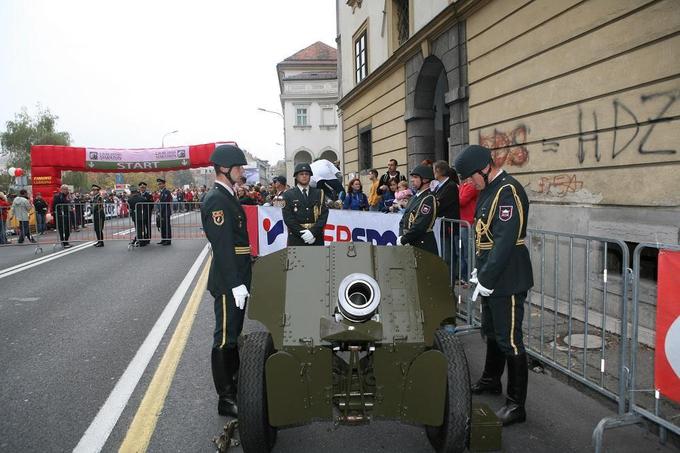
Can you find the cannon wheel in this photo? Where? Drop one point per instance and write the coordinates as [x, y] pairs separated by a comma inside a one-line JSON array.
[[454, 433], [256, 434]]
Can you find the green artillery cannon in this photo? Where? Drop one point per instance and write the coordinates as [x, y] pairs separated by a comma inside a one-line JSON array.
[[352, 334]]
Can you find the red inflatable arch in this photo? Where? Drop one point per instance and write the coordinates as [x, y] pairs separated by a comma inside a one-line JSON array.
[[48, 161]]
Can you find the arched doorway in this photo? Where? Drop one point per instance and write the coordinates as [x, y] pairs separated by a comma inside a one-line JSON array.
[[428, 126], [329, 155], [302, 157]]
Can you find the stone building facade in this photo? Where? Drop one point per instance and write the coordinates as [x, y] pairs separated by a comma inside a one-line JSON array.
[[309, 92]]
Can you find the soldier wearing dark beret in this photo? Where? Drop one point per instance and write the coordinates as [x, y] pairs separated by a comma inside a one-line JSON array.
[[503, 276]]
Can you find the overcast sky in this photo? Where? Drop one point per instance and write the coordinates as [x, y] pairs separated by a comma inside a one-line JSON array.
[[123, 73]]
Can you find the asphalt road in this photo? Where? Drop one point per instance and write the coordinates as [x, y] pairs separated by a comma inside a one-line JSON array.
[[69, 328]]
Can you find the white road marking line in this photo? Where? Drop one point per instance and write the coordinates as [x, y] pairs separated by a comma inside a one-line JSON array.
[[121, 233], [100, 429], [28, 264]]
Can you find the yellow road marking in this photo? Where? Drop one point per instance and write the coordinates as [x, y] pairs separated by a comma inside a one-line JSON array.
[[144, 424]]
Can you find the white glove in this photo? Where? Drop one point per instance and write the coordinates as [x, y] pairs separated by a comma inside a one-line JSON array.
[[307, 236], [473, 276], [399, 241], [240, 296], [479, 289]]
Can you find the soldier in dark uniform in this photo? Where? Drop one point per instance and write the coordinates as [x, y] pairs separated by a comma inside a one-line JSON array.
[[305, 212], [504, 276], [224, 223], [144, 211], [61, 207], [280, 187], [165, 211], [98, 214], [415, 227], [135, 213]]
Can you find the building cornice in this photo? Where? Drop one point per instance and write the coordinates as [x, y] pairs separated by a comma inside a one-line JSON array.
[[455, 12]]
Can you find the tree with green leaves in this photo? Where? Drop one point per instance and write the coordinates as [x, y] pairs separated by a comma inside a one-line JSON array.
[[26, 130]]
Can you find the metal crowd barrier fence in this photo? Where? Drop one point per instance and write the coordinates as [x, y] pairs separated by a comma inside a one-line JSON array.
[[645, 402], [456, 243], [80, 223]]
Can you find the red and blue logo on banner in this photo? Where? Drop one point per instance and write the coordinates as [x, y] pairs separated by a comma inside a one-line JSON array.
[[667, 356]]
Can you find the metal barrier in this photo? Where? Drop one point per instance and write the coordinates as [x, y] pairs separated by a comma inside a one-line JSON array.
[[456, 243], [137, 224], [645, 402]]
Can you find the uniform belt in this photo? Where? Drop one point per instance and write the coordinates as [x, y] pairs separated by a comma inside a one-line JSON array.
[[307, 225], [245, 250], [489, 245]]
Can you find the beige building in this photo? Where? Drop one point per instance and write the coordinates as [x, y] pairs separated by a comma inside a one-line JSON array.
[[580, 100]]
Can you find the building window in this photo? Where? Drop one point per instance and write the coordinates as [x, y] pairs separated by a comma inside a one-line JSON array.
[[365, 150], [401, 20], [301, 116], [360, 57], [327, 116]]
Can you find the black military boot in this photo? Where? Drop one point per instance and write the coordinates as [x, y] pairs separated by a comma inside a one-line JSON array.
[[518, 376], [224, 384], [490, 382]]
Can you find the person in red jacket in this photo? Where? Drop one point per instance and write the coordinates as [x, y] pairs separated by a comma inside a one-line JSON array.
[[467, 194]]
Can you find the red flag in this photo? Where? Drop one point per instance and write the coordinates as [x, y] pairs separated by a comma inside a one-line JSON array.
[[667, 355], [251, 225]]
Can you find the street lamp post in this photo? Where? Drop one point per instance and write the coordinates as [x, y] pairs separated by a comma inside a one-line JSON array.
[[284, 128], [165, 135]]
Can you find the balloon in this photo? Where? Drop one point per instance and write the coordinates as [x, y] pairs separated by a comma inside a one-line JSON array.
[[11, 171], [18, 172]]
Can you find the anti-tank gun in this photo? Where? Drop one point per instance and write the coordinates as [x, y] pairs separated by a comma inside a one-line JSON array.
[[352, 334]]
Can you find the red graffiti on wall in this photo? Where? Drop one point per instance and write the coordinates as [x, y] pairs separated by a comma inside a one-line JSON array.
[[507, 147], [559, 185]]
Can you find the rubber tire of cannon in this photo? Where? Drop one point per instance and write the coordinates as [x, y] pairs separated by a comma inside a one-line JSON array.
[[453, 435], [256, 434]]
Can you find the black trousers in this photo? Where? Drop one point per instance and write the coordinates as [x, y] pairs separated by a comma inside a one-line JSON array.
[[63, 226], [99, 226], [228, 317], [502, 320], [166, 228], [146, 227]]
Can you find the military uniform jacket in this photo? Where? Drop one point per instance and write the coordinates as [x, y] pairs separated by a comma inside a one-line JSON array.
[[415, 226], [300, 213], [145, 208], [503, 262], [165, 197], [224, 223], [97, 204]]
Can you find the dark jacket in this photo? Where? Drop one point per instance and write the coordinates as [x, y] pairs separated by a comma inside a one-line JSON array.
[[448, 203], [40, 205], [304, 214], [356, 201], [225, 226], [61, 205], [503, 262]]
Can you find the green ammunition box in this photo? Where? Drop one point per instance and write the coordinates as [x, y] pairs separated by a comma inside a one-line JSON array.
[[486, 432]]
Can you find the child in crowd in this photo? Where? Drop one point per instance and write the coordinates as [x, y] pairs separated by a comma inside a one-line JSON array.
[[403, 195]]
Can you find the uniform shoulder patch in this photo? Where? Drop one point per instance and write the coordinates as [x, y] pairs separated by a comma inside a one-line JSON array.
[[505, 213], [218, 217], [425, 209]]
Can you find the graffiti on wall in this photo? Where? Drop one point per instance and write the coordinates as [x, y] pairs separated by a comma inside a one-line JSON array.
[[559, 185], [507, 148], [632, 137]]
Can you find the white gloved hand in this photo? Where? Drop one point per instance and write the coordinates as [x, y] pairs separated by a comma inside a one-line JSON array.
[[479, 289], [307, 236], [399, 241], [240, 296], [473, 276]]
